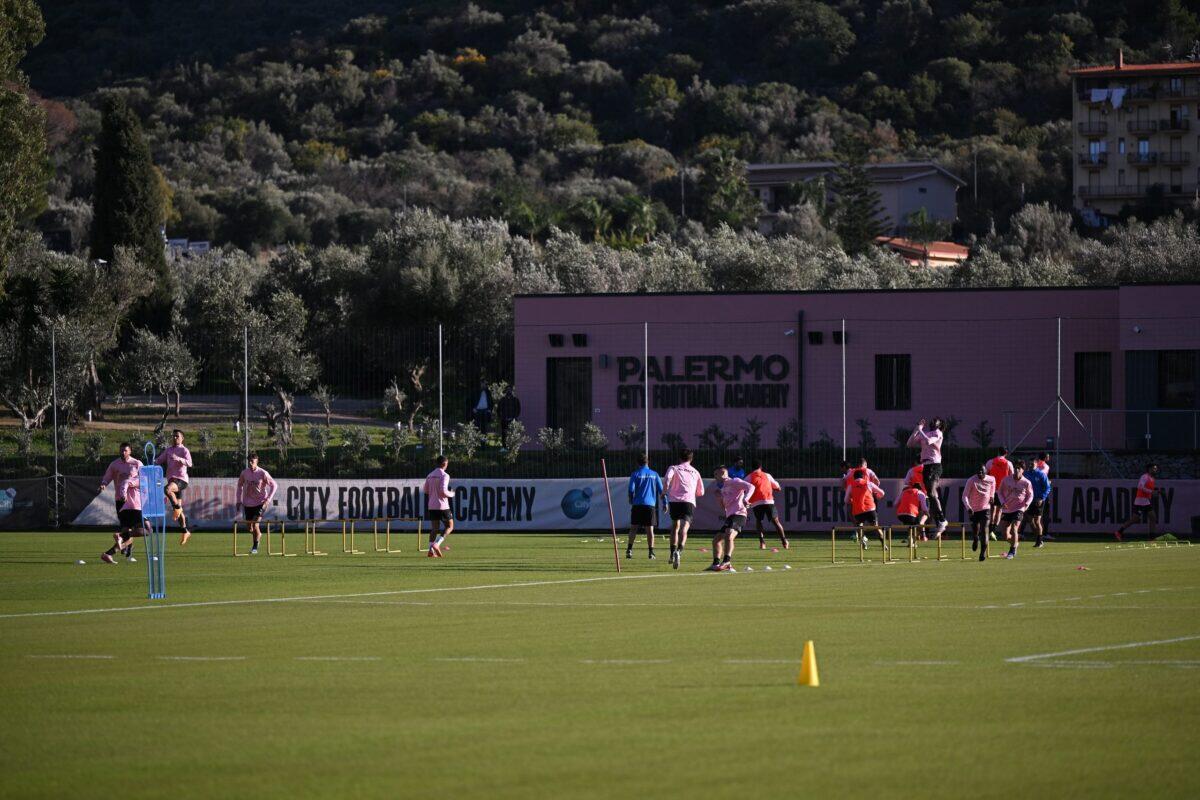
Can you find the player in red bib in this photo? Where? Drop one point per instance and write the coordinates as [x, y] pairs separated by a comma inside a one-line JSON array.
[[999, 468], [1143, 503]]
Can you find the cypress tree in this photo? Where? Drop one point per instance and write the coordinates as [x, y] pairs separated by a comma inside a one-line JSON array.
[[858, 207], [128, 203]]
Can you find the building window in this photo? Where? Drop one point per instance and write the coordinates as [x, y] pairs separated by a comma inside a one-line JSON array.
[[1177, 378], [1093, 380], [1121, 146], [1143, 147], [893, 382]]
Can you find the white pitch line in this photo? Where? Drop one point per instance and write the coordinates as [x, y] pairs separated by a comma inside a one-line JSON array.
[[482, 660], [212, 603], [338, 658], [76, 657], [761, 661], [917, 663], [201, 658], [624, 661], [1105, 648]]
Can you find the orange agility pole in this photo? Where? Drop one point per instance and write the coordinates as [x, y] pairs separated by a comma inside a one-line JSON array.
[[612, 521]]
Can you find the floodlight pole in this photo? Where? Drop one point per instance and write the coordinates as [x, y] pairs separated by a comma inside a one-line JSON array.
[[246, 390], [1058, 404], [441, 426], [646, 386], [54, 413], [843, 389]]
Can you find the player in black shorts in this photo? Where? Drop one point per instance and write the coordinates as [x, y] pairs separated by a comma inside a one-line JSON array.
[[645, 493]]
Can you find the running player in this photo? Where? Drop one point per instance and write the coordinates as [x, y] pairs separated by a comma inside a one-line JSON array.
[[255, 490], [999, 467], [683, 485], [912, 507], [930, 442], [733, 494], [1143, 503], [915, 474], [1039, 479], [763, 503], [177, 459], [645, 493], [848, 479], [978, 497], [1016, 493], [124, 474], [437, 506], [861, 496]]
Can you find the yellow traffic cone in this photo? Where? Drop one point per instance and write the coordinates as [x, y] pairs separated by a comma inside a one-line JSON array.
[[808, 667]]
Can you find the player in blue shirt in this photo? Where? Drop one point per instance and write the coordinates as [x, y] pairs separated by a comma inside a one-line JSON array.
[[738, 470], [645, 492], [1040, 482]]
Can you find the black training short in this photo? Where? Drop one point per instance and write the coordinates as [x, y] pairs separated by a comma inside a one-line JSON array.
[[734, 522], [980, 517], [1142, 513], [437, 514], [1012, 516], [130, 517], [180, 486], [867, 518], [682, 511], [765, 512], [1035, 509], [252, 513], [641, 516], [906, 519]]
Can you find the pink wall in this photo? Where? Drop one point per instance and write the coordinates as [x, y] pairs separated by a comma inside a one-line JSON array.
[[981, 354]]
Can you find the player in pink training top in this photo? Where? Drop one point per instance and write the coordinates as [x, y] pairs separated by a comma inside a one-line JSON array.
[[930, 442], [255, 490], [683, 486], [734, 495], [437, 506], [176, 460], [124, 474], [1015, 493], [977, 496]]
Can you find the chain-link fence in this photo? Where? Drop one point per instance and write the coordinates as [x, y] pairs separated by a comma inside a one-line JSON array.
[[802, 395]]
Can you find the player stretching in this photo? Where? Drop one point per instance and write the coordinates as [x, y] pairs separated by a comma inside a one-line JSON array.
[[255, 490], [1015, 493], [733, 494], [1039, 479], [124, 473], [978, 497], [1143, 503], [684, 485], [177, 459], [645, 493], [763, 503], [999, 467], [861, 496], [912, 507], [930, 442], [437, 506]]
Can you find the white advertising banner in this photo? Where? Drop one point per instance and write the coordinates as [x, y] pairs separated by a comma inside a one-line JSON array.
[[1077, 506]]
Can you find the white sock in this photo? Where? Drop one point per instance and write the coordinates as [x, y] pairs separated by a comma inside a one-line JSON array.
[[438, 541]]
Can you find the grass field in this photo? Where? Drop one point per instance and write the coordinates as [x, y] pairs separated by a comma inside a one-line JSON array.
[[521, 666]]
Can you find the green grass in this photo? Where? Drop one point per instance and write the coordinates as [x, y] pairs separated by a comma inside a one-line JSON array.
[[916, 695]]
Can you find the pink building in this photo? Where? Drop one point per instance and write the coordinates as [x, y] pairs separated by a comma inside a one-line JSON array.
[[1128, 364]]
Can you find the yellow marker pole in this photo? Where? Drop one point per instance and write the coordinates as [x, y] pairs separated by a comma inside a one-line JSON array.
[[235, 532], [833, 545], [963, 531]]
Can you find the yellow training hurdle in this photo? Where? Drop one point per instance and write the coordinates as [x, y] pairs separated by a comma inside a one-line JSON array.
[[885, 534], [913, 540], [381, 531]]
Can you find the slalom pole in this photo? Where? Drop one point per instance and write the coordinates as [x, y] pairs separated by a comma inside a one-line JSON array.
[[612, 521]]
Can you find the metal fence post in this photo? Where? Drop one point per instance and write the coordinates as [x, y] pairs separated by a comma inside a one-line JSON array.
[[843, 389], [245, 391], [441, 424], [54, 417], [646, 385]]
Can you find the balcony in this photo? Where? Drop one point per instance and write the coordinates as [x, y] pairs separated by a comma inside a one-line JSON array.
[[1141, 93], [1173, 124], [1146, 159], [1093, 128], [1110, 192], [1142, 125], [1174, 159], [1187, 90], [1093, 160], [1181, 190]]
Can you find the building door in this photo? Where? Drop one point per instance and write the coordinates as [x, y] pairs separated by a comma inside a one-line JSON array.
[[568, 394]]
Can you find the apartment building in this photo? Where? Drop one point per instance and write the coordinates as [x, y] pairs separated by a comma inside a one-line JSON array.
[[1133, 135]]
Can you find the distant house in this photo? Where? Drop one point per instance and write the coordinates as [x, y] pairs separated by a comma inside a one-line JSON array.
[[182, 248], [903, 186], [935, 254]]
